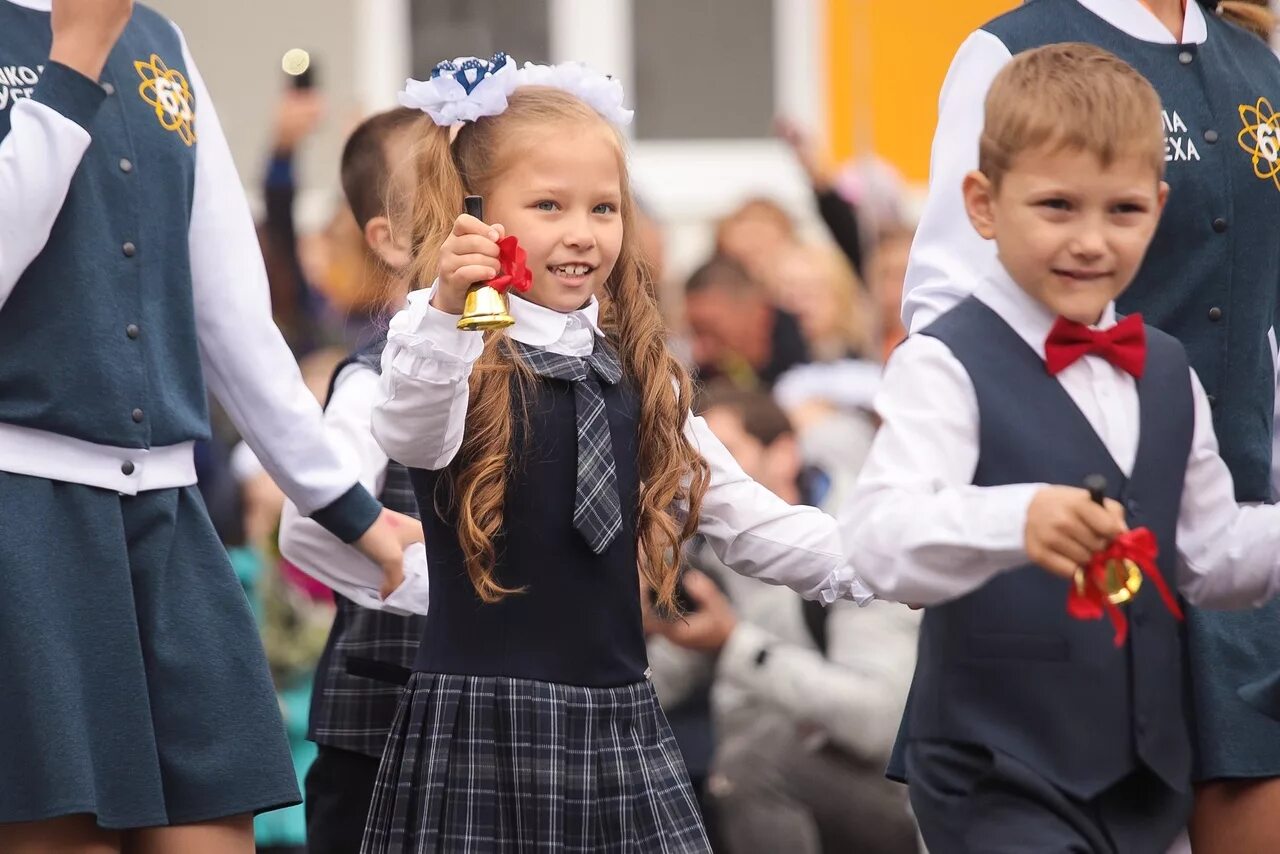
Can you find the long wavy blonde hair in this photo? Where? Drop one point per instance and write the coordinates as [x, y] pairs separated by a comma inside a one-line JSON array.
[[671, 471]]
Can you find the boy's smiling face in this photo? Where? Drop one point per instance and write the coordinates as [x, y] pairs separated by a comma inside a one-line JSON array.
[[1071, 232]]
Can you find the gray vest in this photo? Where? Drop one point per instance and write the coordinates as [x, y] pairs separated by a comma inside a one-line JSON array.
[[115, 359], [1005, 666], [1211, 275]]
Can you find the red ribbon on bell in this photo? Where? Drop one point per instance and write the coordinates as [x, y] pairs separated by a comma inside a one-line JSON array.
[[512, 259], [1096, 590]]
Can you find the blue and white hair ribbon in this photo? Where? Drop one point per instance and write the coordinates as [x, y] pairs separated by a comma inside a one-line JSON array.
[[467, 88]]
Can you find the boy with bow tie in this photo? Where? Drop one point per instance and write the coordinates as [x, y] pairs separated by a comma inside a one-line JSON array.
[[1027, 729]]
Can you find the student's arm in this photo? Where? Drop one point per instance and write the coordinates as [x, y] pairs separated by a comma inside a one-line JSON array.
[[48, 136], [1229, 555], [422, 410], [947, 256], [246, 363], [320, 554], [756, 533], [915, 527]]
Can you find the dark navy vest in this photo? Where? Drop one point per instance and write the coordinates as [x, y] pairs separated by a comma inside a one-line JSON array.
[[578, 620], [1211, 275], [1004, 666], [368, 655], [102, 322]]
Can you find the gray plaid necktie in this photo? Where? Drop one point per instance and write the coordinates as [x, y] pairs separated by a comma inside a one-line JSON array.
[[597, 512]]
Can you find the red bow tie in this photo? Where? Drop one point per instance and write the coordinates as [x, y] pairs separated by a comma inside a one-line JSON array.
[[1123, 345]]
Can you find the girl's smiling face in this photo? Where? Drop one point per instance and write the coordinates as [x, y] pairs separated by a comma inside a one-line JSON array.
[[561, 197]]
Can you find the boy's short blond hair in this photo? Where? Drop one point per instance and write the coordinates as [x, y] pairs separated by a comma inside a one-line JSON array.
[[1070, 96]]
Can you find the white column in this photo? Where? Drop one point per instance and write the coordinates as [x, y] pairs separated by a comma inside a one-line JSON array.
[[597, 32], [383, 51], [799, 64]]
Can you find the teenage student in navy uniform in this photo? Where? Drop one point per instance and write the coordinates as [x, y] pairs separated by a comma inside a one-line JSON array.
[[1029, 728], [1210, 279], [138, 712], [557, 469], [370, 649]]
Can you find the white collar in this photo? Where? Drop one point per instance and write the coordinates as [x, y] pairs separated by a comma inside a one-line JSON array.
[[1134, 18], [38, 5], [1026, 316], [539, 326]]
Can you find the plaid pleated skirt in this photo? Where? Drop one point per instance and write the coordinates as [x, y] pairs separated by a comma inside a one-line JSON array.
[[495, 764]]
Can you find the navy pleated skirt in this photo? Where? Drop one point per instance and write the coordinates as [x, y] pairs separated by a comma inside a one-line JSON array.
[[133, 684]]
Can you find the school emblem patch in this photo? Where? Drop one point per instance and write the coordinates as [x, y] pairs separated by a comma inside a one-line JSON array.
[[166, 90], [1260, 137]]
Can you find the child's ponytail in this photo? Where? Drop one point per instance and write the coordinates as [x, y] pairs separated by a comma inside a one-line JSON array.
[[437, 201]]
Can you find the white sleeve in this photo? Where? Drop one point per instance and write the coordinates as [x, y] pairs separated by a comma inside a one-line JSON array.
[[1229, 555], [246, 362], [947, 256], [318, 553], [38, 157], [914, 526], [422, 411], [756, 533]]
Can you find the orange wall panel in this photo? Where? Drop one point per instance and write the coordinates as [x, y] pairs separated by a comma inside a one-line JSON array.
[[886, 60]]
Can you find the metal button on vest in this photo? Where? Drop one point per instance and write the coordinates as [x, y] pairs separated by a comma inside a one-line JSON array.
[[1211, 136], [1219, 225], [1186, 57], [1215, 314], [1132, 506], [125, 165], [108, 88], [137, 416], [129, 249], [132, 330], [126, 468]]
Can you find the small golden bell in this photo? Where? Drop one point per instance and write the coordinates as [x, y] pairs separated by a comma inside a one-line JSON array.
[[484, 308], [1121, 580]]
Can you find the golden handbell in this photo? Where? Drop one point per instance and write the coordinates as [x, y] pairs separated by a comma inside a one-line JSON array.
[[1122, 578], [485, 307]]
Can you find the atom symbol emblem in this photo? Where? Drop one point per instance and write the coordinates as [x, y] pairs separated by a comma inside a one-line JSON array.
[[166, 89], [1261, 138]]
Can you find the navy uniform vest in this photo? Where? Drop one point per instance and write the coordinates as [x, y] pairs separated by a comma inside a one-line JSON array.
[[115, 359], [578, 620], [367, 657], [1005, 666], [1211, 275]]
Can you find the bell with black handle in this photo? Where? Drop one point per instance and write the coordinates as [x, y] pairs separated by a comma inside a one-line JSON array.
[[485, 307], [1122, 578]]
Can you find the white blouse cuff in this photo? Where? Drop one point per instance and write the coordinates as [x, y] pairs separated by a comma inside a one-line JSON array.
[[844, 583]]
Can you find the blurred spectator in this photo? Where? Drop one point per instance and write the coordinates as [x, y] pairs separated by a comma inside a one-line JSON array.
[[738, 332], [754, 233], [820, 289], [806, 699], [885, 276], [293, 305], [859, 203]]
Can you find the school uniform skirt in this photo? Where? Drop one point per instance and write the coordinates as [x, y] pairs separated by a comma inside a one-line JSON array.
[[133, 685], [494, 764]]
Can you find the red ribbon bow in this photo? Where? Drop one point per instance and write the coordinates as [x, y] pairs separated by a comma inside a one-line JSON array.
[[1138, 546], [515, 274], [1123, 345]]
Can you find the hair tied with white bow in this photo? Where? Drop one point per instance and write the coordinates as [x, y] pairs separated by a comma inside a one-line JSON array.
[[468, 88]]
